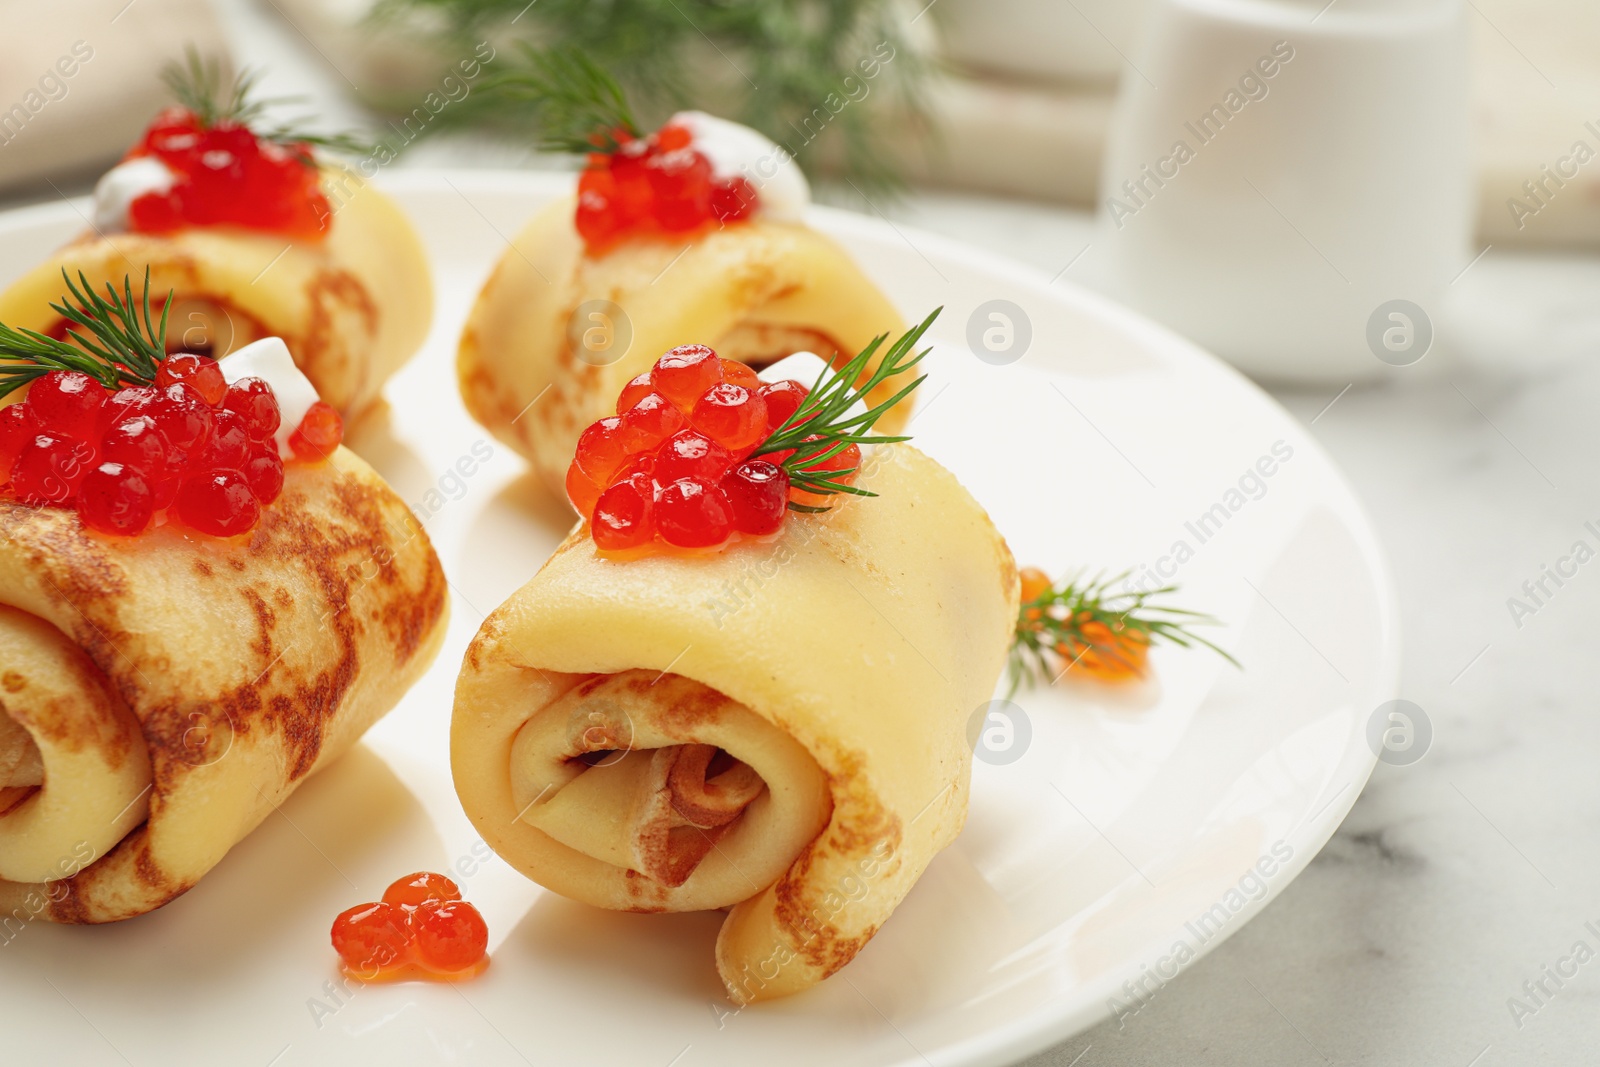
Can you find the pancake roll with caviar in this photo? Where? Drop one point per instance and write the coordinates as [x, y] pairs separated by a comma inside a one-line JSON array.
[[693, 233], [256, 233], [630, 734], [204, 599]]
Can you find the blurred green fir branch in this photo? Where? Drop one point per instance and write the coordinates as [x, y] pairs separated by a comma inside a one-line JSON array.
[[797, 70]]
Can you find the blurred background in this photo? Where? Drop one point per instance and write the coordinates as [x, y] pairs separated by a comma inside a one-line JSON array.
[[1385, 211]]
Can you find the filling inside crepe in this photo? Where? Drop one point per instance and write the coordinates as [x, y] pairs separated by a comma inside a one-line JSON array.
[[21, 766], [202, 325], [669, 779], [758, 345], [74, 771]]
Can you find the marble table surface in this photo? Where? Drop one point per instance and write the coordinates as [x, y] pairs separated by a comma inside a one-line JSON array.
[[1458, 884]]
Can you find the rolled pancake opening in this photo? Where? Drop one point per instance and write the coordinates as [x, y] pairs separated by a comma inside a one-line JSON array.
[[555, 324], [163, 694], [691, 800], [74, 773], [838, 663], [353, 307]]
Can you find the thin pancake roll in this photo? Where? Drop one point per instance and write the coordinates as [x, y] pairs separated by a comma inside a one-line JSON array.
[[353, 307], [557, 332], [160, 695], [779, 728]]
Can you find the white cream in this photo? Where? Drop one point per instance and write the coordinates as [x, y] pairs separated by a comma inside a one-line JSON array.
[[735, 150], [806, 368], [269, 360], [124, 183]]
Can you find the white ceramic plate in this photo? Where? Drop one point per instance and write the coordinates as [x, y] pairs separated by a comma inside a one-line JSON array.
[[1087, 861]]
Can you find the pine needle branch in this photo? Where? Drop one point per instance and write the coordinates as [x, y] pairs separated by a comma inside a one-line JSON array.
[[1080, 616], [825, 413], [112, 338]]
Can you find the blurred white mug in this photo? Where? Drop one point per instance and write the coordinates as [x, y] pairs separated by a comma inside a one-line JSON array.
[[1289, 182]]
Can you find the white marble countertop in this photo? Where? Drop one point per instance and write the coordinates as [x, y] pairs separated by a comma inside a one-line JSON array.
[[1456, 880]]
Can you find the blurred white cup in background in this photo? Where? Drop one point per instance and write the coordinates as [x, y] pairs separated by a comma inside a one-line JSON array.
[[1289, 182], [1050, 40]]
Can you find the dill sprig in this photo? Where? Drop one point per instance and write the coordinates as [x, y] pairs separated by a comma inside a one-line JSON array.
[[1078, 616], [113, 339], [780, 66], [199, 87], [580, 106], [825, 412]]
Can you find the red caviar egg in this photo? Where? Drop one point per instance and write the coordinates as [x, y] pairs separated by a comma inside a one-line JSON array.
[[116, 499], [49, 467], [254, 399], [636, 390], [691, 454], [219, 503], [183, 417], [229, 443], [200, 373], [450, 934], [602, 448], [693, 513], [370, 937], [319, 433], [783, 399], [734, 200], [758, 496], [419, 888], [67, 401], [649, 422], [582, 491], [622, 515], [732, 416], [17, 426], [739, 374], [264, 471], [847, 459], [135, 442], [128, 401], [685, 373]]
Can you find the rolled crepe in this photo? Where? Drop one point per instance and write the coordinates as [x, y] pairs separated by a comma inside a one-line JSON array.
[[779, 728], [160, 695], [353, 308], [546, 326]]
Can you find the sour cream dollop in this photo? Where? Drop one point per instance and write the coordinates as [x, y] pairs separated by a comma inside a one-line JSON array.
[[124, 183], [735, 150], [269, 360]]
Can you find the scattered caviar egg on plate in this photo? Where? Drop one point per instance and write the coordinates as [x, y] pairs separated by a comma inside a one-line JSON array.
[[421, 929]]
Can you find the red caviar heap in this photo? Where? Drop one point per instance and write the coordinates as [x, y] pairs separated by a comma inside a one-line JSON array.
[[225, 174], [656, 185], [228, 170], [421, 928], [635, 184], [118, 430], [701, 449]]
